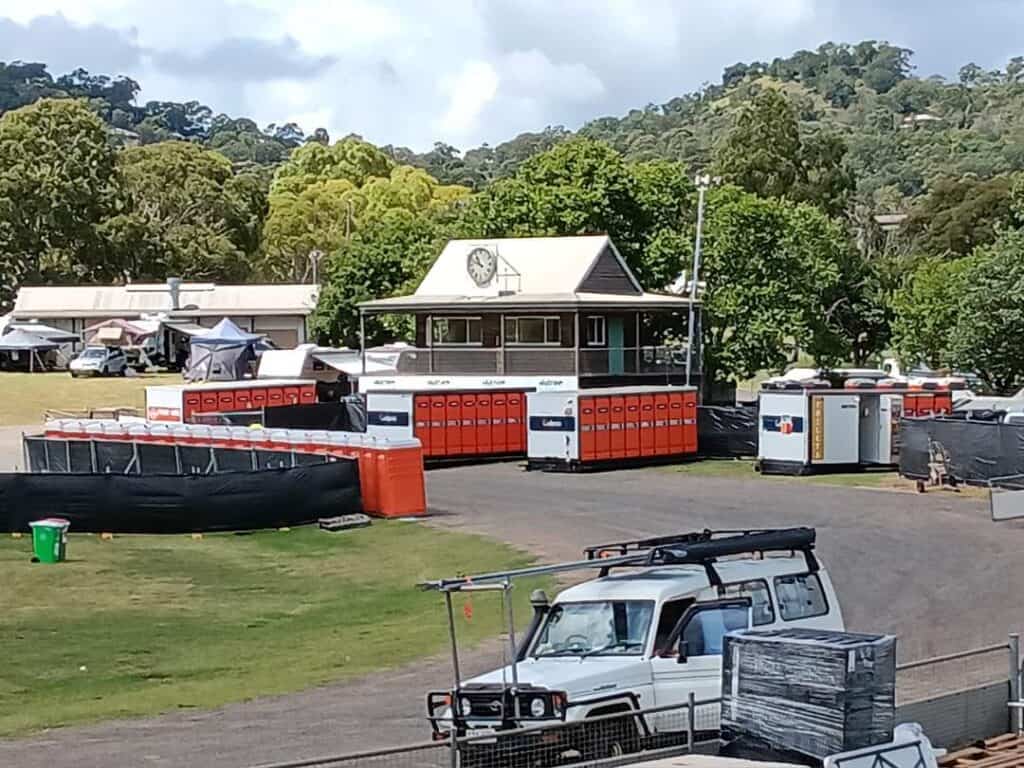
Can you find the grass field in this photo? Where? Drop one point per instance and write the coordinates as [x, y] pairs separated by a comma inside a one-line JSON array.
[[24, 397], [745, 468], [146, 624]]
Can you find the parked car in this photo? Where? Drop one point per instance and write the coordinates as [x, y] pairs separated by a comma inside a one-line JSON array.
[[99, 361], [635, 639]]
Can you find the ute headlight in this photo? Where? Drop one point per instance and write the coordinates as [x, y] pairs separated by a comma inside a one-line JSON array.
[[465, 707], [537, 708]]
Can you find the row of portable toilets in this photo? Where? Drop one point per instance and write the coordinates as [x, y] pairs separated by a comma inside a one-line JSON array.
[[390, 470]]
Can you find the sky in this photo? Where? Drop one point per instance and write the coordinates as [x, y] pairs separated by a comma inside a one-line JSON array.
[[412, 72]]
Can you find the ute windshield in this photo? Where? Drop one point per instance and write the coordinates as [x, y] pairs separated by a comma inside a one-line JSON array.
[[600, 628]]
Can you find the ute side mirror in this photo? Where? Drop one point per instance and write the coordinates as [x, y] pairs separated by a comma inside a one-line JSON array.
[[681, 657]]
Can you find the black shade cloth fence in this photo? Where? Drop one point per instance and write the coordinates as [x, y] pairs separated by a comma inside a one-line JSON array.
[[160, 503], [968, 451], [727, 431]]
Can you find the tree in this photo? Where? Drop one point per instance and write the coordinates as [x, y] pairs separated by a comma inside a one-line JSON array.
[[583, 186], [773, 269], [57, 185], [990, 314], [958, 215], [383, 259], [761, 151], [925, 312], [186, 213], [323, 195]]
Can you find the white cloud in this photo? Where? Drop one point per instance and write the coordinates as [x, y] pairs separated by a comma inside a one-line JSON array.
[[468, 92], [466, 71]]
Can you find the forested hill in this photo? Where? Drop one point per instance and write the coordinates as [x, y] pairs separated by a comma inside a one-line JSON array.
[[903, 131]]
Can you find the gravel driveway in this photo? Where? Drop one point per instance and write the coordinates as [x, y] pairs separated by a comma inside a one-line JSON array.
[[931, 568]]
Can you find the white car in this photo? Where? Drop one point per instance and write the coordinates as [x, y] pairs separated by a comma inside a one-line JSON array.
[[642, 638], [99, 361]]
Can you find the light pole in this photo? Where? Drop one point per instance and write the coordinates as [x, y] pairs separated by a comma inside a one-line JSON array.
[[702, 182]]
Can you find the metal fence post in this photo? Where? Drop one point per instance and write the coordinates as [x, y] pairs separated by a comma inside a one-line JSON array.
[[691, 719], [1014, 646], [454, 739]]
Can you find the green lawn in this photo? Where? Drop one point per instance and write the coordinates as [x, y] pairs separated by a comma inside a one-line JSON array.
[[146, 624], [745, 468], [24, 397]]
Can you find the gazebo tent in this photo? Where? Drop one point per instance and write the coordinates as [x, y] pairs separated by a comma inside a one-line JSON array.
[[221, 354], [47, 332], [22, 342]]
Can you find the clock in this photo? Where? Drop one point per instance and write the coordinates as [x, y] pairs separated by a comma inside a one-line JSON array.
[[481, 264]]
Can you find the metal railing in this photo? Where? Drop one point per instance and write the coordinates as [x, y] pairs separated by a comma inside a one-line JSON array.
[[981, 688], [513, 360]]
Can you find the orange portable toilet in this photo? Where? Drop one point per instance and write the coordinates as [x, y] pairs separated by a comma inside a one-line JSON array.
[[208, 401], [275, 397], [647, 446], [290, 395], [676, 431], [661, 416], [226, 400], [588, 425], [307, 394], [399, 469], [499, 433], [438, 430], [192, 403], [690, 428], [603, 443], [243, 400], [421, 421], [632, 426], [482, 429], [260, 398], [617, 427], [368, 479], [452, 425], [467, 415], [515, 422]]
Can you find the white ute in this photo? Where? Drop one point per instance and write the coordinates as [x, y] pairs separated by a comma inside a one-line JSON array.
[[646, 633]]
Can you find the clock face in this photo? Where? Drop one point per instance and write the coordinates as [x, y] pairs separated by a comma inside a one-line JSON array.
[[481, 264]]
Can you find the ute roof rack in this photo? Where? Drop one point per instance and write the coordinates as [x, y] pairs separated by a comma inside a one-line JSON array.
[[697, 548]]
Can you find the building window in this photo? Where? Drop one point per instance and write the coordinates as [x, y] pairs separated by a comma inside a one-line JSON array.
[[595, 331], [456, 330], [533, 330]]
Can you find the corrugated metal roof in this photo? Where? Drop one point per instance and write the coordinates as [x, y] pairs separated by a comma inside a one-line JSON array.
[[147, 298], [526, 265]]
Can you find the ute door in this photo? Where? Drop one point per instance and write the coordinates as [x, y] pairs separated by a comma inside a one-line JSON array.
[[692, 661]]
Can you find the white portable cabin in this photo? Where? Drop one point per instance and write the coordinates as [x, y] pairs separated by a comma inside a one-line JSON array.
[[808, 426]]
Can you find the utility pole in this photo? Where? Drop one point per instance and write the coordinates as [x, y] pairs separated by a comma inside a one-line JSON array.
[[702, 182]]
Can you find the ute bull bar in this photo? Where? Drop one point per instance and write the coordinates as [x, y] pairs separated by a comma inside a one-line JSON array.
[[487, 705]]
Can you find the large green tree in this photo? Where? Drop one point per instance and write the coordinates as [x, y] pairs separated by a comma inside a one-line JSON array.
[[584, 186], [773, 269], [386, 257], [324, 194], [926, 311], [990, 318], [57, 185], [185, 213]]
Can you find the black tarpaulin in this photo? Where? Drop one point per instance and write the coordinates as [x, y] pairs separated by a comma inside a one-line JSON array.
[[966, 450], [727, 431], [346, 415], [181, 504]]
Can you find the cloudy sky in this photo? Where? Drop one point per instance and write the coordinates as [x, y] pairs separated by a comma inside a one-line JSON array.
[[467, 71]]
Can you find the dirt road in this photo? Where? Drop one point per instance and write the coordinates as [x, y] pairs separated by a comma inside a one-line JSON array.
[[930, 568]]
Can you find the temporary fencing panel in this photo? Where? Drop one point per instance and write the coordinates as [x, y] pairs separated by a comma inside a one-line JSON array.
[[727, 431], [199, 450], [171, 504], [965, 450]]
